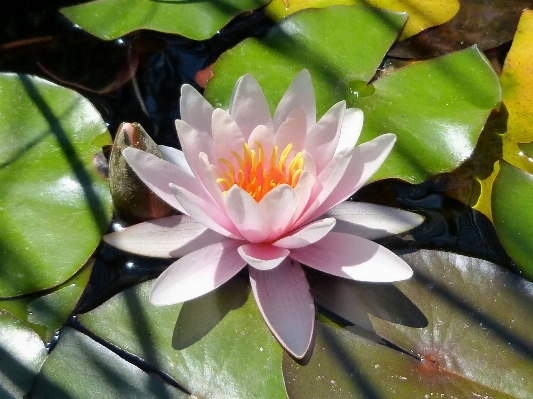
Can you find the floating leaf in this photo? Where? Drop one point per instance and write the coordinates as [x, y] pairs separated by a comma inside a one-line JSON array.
[[54, 207], [197, 20], [485, 23], [22, 354], [527, 149], [421, 14], [436, 108], [480, 322], [238, 358], [480, 318], [345, 366], [317, 40], [82, 368], [513, 215], [517, 86], [355, 300], [47, 312], [517, 82]]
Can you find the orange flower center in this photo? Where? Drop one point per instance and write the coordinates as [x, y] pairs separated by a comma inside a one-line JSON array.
[[252, 175]]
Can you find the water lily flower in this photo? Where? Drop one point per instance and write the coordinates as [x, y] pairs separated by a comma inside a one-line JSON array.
[[268, 192]]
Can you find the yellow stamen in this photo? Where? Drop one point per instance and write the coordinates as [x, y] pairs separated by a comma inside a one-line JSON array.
[[251, 174], [283, 157]]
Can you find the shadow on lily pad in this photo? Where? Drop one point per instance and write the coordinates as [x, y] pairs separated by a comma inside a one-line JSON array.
[[355, 300], [199, 316]]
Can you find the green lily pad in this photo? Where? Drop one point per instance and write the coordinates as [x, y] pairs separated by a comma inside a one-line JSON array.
[[480, 322], [238, 358], [316, 39], [198, 20], [82, 368], [513, 215], [46, 312], [54, 207], [22, 354], [345, 366], [437, 108]]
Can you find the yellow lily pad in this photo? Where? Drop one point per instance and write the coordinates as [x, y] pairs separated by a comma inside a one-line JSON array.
[[517, 94], [422, 15], [517, 82]]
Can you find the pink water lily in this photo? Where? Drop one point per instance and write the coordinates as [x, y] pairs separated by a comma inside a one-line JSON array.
[[268, 192]]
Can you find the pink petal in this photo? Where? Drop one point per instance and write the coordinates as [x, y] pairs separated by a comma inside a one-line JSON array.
[[176, 157], [323, 138], [303, 191], [351, 129], [264, 136], [300, 94], [372, 221], [170, 237], [205, 212], [307, 235], [194, 142], [356, 258], [326, 182], [373, 153], [278, 207], [282, 295], [208, 176], [245, 214], [262, 256], [157, 173], [306, 185], [195, 110], [366, 160], [249, 107], [197, 273], [309, 164], [292, 131], [227, 136]]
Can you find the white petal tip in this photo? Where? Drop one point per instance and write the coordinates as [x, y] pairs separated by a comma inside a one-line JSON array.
[[186, 88]]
